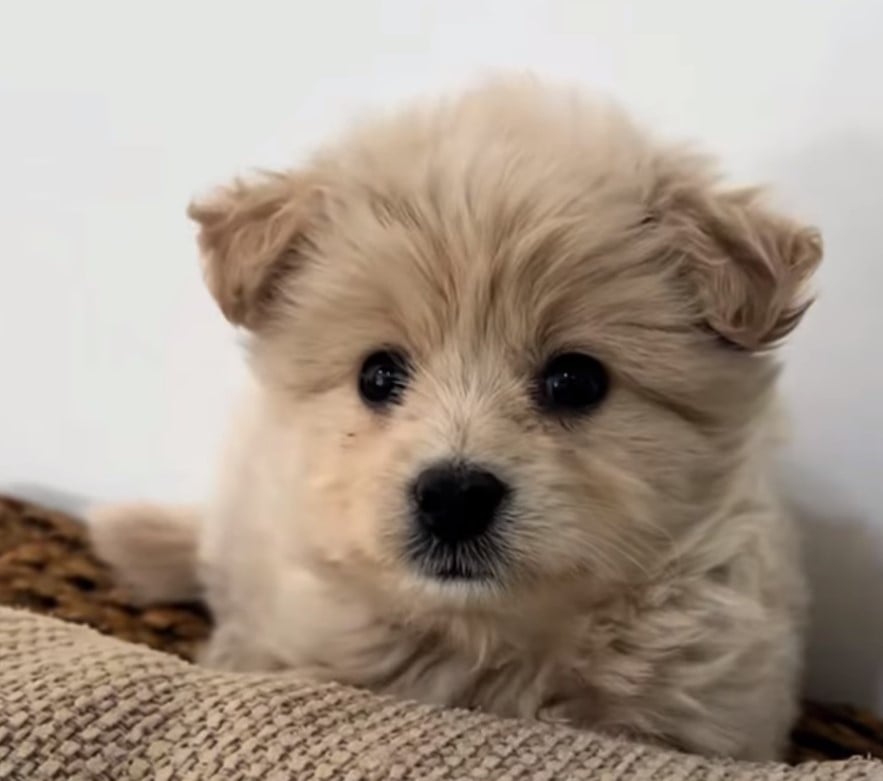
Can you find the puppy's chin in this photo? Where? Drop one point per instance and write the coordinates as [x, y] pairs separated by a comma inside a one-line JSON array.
[[454, 593]]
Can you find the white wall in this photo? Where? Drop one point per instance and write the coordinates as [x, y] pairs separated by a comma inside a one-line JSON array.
[[116, 369]]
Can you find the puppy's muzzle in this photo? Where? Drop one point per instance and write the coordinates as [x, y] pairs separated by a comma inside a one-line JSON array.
[[455, 508]]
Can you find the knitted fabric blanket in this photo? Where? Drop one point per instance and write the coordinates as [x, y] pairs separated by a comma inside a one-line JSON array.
[[75, 705]]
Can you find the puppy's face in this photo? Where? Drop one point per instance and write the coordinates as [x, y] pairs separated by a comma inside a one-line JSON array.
[[516, 345]]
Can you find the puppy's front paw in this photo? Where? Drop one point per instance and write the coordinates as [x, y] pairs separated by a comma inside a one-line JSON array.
[[152, 549]]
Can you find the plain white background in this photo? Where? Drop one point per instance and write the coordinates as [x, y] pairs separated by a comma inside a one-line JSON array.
[[117, 371]]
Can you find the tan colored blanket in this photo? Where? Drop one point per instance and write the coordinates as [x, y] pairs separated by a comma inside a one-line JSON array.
[[78, 705]]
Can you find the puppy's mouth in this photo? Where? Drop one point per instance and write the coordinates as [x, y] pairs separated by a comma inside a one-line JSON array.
[[478, 561]]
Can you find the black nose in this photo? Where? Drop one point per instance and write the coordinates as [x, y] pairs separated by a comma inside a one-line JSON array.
[[455, 502]]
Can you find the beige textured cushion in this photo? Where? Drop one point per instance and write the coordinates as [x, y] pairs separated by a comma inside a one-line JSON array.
[[77, 705]]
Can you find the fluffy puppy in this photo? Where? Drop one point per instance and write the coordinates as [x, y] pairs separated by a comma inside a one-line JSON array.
[[509, 444]]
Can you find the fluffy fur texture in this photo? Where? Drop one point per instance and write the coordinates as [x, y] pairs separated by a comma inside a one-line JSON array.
[[650, 583]]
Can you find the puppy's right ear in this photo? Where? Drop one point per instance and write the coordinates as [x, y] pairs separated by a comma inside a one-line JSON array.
[[249, 235]]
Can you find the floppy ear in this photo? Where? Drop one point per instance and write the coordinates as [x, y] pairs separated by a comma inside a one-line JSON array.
[[249, 234], [749, 265]]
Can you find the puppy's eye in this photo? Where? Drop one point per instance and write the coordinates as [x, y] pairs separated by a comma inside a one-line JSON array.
[[383, 377], [572, 383]]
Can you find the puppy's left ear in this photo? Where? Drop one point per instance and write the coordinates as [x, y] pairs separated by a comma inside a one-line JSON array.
[[750, 265], [251, 232]]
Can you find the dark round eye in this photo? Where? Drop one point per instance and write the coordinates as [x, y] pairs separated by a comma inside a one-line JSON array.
[[572, 383], [383, 378]]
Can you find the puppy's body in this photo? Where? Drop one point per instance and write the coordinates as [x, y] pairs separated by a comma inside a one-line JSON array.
[[639, 575]]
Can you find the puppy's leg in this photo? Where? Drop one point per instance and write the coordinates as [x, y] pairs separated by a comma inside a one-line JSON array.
[[151, 548]]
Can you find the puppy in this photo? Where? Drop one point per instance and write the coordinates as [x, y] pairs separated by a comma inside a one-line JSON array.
[[509, 444]]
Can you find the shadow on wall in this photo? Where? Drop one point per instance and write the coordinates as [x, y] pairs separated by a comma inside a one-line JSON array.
[[844, 561], [835, 381]]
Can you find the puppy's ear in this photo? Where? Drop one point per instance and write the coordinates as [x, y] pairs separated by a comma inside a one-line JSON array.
[[749, 265], [250, 232]]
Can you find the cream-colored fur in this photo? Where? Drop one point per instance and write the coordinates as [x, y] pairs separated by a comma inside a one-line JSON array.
[[650, 585]]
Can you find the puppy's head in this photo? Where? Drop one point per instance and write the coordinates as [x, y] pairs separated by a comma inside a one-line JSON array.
[[518, 344]]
